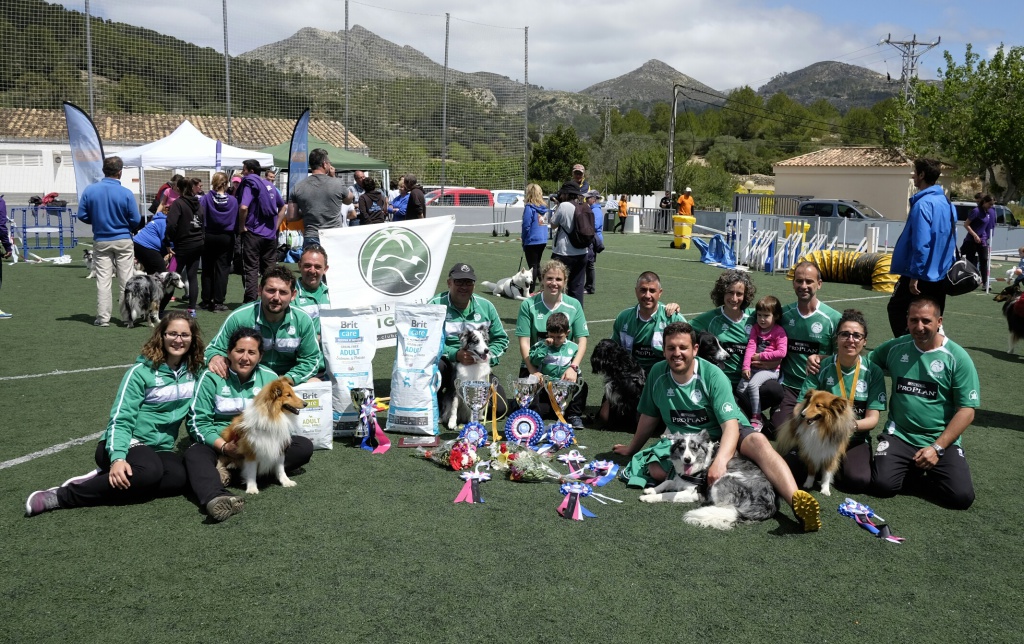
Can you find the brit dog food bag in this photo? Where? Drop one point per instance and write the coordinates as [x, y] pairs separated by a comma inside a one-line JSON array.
[[316, 421], [415, 378], [349, 339]]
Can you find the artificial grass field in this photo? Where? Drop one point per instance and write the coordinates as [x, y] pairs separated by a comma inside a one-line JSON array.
[[371, 548]]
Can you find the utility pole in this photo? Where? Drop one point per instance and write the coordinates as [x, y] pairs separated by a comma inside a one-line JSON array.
[[670, 171], [607, 119], [910, 52]]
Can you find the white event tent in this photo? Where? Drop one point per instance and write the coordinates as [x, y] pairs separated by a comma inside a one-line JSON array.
[[187, 147]]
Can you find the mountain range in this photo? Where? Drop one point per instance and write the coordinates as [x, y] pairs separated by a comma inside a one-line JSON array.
[[317, 52]]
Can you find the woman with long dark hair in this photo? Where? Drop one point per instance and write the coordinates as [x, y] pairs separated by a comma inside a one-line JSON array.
[[220, 217], [185, 232]]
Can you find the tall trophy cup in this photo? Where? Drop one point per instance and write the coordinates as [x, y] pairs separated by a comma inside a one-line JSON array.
[[524, 426], [476, 394]]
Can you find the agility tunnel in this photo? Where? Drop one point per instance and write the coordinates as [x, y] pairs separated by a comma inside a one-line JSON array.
[[852, 267]]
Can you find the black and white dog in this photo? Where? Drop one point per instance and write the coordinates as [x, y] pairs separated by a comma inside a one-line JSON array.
[[146, 295], [516, 287], [709, 348], [452, 409], [742, 494], [1013, 311], [623, 381], [90, 264]]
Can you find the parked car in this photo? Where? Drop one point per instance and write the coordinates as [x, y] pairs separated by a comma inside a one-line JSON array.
[[964, 208], [460, 197], [509, 197], [849, 208]]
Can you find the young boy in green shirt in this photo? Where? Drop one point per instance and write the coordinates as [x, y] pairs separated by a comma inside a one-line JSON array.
[[552, 356]]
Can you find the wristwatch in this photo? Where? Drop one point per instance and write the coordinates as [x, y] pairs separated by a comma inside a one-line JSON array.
[[938, 450]]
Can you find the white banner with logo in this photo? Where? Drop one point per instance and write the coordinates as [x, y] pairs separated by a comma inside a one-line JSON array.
[[382, 265]]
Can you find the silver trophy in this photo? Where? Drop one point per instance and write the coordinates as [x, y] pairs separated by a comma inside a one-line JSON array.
[[564, 390], [360, 395], [524, 390], [475, 393]]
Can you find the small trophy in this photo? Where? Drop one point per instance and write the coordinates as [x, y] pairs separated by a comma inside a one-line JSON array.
[[524, 390], [360, 396], [564, 390]]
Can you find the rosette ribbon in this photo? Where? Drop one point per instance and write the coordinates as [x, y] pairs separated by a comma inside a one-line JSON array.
[[561, 435], [374, 438], [573, 459], [470, 492], [605, 472], [863, 515], [524, 427], [474, 433], [571, 507]]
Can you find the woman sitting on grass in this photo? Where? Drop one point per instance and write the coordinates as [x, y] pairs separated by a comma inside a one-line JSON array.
[[852, 376], [217, 401], [135, 456]]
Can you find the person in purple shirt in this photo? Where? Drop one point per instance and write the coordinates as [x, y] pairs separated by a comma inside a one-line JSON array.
[[5, 246], [979, 226], [111, 210], [221, 220], [259, 206]]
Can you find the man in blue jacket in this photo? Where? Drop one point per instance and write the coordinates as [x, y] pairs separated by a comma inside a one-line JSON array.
[[594, 200], [924, 251], [111, 210]]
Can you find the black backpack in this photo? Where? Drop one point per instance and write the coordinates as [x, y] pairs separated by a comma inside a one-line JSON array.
[[583, 231]]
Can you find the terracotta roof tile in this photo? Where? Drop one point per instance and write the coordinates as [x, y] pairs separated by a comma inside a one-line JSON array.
[[46, 126], [867, 157]]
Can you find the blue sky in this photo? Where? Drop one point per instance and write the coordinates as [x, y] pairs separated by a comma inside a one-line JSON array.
[[722, 43]]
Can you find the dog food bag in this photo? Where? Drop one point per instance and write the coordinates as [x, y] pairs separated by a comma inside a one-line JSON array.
[[316, 419], [415, 378], [349, 340]]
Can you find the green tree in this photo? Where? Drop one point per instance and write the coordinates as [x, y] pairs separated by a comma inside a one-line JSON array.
[[974, 115], [642, 172], [552, 159], [861, 125], [635, 122], [742, 114]]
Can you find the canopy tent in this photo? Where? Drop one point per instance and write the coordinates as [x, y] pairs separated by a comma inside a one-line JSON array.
[[341, 159], [187, 147]]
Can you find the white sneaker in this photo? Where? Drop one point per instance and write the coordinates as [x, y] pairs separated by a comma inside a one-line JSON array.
[[4, 316]]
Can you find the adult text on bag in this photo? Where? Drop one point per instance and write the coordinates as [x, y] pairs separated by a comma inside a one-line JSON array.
[[349, 339], [415, 377]]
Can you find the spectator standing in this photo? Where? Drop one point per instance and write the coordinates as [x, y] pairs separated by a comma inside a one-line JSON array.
[[579, 179], [417, 206], [158, 197], [372, 205], [535, 233], [5, 247], [574, 259], [397, 206], [317, 199], [259, 206], [185, 232], [924, 251], [111, 210], [594, 201], [349, 214], [220, 214], [623, 213], [979, 226], [357, 189], [685, 202]]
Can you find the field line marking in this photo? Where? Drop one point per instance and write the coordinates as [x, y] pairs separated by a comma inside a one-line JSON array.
[[53, 449], [58, 372]]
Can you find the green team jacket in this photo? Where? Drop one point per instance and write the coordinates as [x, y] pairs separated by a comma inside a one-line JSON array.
[[148, 409], [290, 347], [218, 400], [312, 301], [479, 314]]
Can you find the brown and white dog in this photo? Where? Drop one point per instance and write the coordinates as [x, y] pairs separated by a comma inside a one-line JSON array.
[[1013, 311], [819, 430], [262, 433]]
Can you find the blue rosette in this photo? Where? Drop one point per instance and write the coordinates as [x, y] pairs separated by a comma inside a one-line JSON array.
[[524, 427], [561, 435], [474, 433], [576, 487]]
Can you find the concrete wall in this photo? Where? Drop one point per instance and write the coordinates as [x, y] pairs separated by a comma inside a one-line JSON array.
[[884, 189]]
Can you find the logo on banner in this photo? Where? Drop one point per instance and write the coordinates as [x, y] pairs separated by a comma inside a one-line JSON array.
[[394, 261]]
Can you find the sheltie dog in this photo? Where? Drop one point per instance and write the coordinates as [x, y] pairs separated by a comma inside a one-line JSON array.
[[1013, 311], [819, 430], [743, 494], [262, 433], [451, 406], [146, 295], [516, 287], [624, 381]]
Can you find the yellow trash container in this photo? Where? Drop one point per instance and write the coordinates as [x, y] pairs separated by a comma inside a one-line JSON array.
[[683, 229], [798, 227]]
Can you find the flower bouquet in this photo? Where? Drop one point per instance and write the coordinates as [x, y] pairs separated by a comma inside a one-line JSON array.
[[456, 454], [522, 463]]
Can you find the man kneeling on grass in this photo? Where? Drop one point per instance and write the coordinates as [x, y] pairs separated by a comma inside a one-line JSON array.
[[689, 394]]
